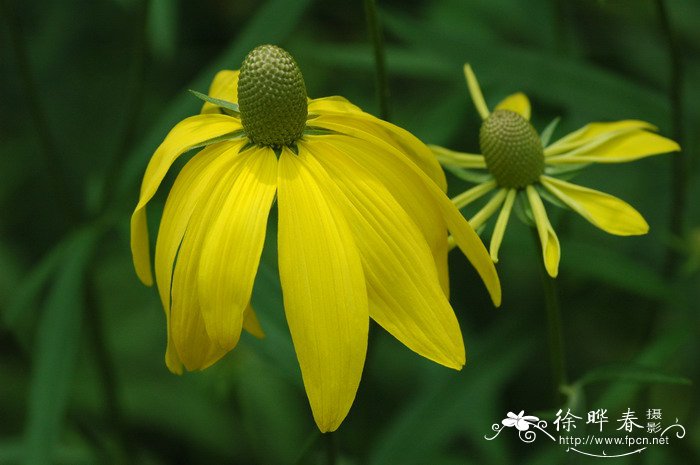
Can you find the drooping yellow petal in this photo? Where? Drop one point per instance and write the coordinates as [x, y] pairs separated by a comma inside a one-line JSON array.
[[463, 160], [475, 193], [404, 290], [185, 135], [616, 147], [197, 177], [252, 324], [332, 104], [188, 331], [518, 103], [234, 241], [323, 284], [398, 137], [401, 168], [608, 213], [488, 210], [501, 223], [224, 87], [475, 91], [548, 238], [411, 194]]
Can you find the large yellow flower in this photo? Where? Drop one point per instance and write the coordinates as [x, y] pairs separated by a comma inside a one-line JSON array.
[[363, 223], [518, 161]]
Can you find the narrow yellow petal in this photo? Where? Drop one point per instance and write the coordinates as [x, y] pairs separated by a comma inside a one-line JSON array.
[[518, 103], [488, 210], [475, 91], [463, 160], [323, 284], [475, 193], [185, 135], [501, 223], [402, 170], [608, 213], [234, 241], [188, 331], [617, 147], [224, 87], [404, 290], [548, 238]]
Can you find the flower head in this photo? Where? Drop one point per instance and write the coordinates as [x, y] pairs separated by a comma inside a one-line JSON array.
[[362, 232], [519, 162]]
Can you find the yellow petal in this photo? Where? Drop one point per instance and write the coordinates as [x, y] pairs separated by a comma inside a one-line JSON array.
[[231, 252], [608, 213], [488, 210], [323, 284], [518, 103], [399, 168], [404, 290], [224, 87], [185, 135], [410, 194], [548, 238], [252, 324], [617, 147], [475, 193], [332, 104], [197, 177], [188, 331], [475, 91], [463, 160], [399, 138], [614, 142], [500, 229]]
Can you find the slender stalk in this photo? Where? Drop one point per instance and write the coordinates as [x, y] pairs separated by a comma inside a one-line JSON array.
[[49, 148], [679, 180], [106, 372], [555, 335], [376, 36]]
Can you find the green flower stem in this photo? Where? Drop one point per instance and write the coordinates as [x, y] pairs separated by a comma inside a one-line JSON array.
[[106, 373], [554, 329], [49, 148], [679, 181], [377, 38]]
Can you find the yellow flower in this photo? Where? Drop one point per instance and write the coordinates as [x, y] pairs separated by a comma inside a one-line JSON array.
[[519, 162], [363, 223]]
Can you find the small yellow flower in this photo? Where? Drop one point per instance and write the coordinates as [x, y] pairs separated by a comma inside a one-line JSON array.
[[363, 223], [518, 161]]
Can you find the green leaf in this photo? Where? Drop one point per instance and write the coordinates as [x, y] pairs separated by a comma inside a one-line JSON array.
[[33, 284], [214, 140], [232, 107], [58, 340], [630, 373]]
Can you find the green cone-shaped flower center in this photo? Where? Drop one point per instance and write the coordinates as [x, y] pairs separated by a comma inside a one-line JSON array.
[[272, 97], [512, 149]]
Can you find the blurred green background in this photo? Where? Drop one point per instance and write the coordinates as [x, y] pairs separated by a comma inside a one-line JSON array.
[[89, 88]]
